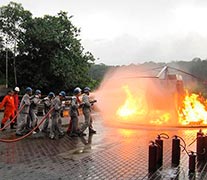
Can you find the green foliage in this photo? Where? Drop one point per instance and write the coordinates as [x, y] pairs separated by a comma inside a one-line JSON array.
[[13, 18], [49, 54], [97, 72]]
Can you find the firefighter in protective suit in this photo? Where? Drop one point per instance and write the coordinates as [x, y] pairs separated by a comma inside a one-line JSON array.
[[86, 107], [23, 115], [47, 105], [9, 108], [35, 101], [56, 117], [75, 104]]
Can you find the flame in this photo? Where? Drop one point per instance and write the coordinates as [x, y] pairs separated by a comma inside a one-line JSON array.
[[127, 101], [136, 109], [132, 106], [163, 118], [193, 111]]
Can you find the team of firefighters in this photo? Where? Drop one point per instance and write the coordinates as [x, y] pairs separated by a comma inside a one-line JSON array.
[[24, 114]]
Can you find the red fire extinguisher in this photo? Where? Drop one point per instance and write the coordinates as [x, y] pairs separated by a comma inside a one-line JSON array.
[[175, 150], [192, 162], [159, 143], [200, 147], [152, 162]]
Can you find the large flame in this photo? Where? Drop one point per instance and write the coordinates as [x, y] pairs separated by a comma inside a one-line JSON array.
[[135, 106], [127, 101], [193, 111]]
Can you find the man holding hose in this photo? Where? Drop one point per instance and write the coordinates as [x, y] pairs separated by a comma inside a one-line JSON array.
[[9, 107]]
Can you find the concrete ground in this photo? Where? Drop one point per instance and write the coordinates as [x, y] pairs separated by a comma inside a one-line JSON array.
[[112, 153]]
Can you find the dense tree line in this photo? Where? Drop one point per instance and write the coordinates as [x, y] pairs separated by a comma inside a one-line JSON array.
[[43, 52], [191, 71]]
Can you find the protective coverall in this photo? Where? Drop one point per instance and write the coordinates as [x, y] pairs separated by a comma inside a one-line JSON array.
[[86, 107], [22, 118], [74, 116], [47, 106], [56, 118], [33, 110], [9, 108]]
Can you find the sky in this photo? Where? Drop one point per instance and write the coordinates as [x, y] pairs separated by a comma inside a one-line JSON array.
[[122, 32]]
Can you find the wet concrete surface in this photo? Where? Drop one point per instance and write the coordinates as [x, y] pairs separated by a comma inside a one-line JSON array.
[[112, 153]]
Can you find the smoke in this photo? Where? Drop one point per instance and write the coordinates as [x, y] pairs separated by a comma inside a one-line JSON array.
[[151, 100]]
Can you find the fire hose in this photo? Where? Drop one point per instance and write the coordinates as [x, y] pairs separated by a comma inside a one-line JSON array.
[[26, 135], [1, 129]]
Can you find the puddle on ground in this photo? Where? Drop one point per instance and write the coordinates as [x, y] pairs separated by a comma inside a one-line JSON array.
[[84, 151]]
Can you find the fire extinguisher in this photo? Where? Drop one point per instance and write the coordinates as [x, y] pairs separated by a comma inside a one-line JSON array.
[[200, 133], [152, 162], [175, 150], [159, 142], [192, 162], [200, 147], [205, 148]]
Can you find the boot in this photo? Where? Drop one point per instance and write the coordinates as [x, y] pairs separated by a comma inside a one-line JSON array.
[[12, 126], [37, 130], [92, 131], [81, 134], [2, 125]]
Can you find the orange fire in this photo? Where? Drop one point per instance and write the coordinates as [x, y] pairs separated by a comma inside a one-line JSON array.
[[133, 105], [127, 101], [135, 108], [193, 111]]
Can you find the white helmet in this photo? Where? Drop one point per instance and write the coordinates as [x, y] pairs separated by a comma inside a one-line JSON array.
[[17, 89], [77, 90]]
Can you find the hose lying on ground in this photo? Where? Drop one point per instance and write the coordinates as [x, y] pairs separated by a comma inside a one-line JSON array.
[[26, 135]]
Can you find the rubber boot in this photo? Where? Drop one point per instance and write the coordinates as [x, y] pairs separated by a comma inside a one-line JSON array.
[[2, 125], [92, 131], [12, 126]]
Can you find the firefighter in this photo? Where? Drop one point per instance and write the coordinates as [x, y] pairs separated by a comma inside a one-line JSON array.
[[86, 107], [16, 103], [56, 117], [23, 115], [75, 104], [9, 107], [47, 105], [35, 101]]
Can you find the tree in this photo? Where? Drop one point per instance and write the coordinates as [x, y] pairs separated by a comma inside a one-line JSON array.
[[50, 55], [54, 54], [12, 18]]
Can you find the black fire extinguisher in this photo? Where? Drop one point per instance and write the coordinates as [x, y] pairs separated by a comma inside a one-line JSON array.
[[205, 148], [200, 147], [159, 143], [192, 162], [175, 150], [152, 166], [200, 133]]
